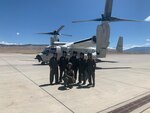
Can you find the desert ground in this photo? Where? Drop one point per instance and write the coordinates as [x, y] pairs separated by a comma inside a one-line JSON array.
[[122, 86], [23, 49]]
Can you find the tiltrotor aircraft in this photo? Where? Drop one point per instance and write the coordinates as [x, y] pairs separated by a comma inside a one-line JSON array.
[[85, 46], [101, 40]]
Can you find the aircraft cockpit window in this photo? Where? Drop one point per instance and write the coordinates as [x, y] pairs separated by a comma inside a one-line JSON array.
[[46, 52], [53, 50]]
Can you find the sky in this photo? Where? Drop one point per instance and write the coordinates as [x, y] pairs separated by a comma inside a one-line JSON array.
[[20, 20]]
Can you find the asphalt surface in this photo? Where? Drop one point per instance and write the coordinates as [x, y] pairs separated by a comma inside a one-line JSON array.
[[122, 86]]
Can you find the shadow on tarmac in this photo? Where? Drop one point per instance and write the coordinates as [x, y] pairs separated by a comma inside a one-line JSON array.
[[108, 61], [83, 87], [114, 68], [62, 88], [39, 65], [44, 85]]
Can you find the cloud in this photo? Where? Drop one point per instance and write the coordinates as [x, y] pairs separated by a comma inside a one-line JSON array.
[[147, 19], [148, 40], [17, 33], [129, 46], [111, 48], [147, 44], [7, 43]]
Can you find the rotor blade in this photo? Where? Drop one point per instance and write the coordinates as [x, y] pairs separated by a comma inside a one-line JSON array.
[[98, 19], [66, 35], [114, 19], [108, 8], [60, 28], [147, 19], [44, 33]]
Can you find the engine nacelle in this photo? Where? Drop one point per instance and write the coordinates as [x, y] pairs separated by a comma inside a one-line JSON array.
[[102, 39], [94, 39]]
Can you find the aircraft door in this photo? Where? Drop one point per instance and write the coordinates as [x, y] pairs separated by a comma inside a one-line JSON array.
[[102, 39], [45, 56]]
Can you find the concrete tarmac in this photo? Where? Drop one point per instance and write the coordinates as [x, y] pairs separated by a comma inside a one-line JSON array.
[[122, 86]]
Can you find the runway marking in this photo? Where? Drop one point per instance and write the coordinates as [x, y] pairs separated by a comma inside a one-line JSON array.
[[145, 110], [132, 106], [133, 103], [10, 65]]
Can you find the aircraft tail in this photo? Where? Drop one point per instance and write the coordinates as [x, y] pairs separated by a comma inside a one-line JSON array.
[[119, 47]]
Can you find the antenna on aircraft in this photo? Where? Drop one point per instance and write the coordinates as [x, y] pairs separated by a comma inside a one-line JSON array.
[[55, 34]]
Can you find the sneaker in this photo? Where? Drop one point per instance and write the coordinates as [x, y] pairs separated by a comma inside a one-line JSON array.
[[93, 85], [83, 83], [79, 83], [89, 84], [70, 86], [56, 82], [51, 83]]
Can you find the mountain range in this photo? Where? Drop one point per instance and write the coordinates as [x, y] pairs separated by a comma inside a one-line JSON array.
[[36, 48], [138, 50]]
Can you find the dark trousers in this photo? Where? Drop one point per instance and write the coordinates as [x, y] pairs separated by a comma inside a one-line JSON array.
[[75, 73], [53, 72], [91, 77], [81, 76], [61, 74], [68, 80]]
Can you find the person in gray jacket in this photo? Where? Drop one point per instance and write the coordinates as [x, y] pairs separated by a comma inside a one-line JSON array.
[[90, 68], [53, 64], [81, 67]]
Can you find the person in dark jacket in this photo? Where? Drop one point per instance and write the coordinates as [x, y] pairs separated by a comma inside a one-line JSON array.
[[74, 62], [63, 61], [90, 68], [81, 67], [68, 76], [53, 64]]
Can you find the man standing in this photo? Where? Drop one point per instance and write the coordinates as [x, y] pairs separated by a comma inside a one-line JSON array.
[[53, 64], [63, 61], [81, 66], [74, 62], [91, 65]]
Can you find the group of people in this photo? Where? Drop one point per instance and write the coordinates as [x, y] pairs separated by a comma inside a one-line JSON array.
[[68, 69]]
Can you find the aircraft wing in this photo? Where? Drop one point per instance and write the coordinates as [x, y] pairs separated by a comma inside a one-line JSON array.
[[90, 42], [108, 8]]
